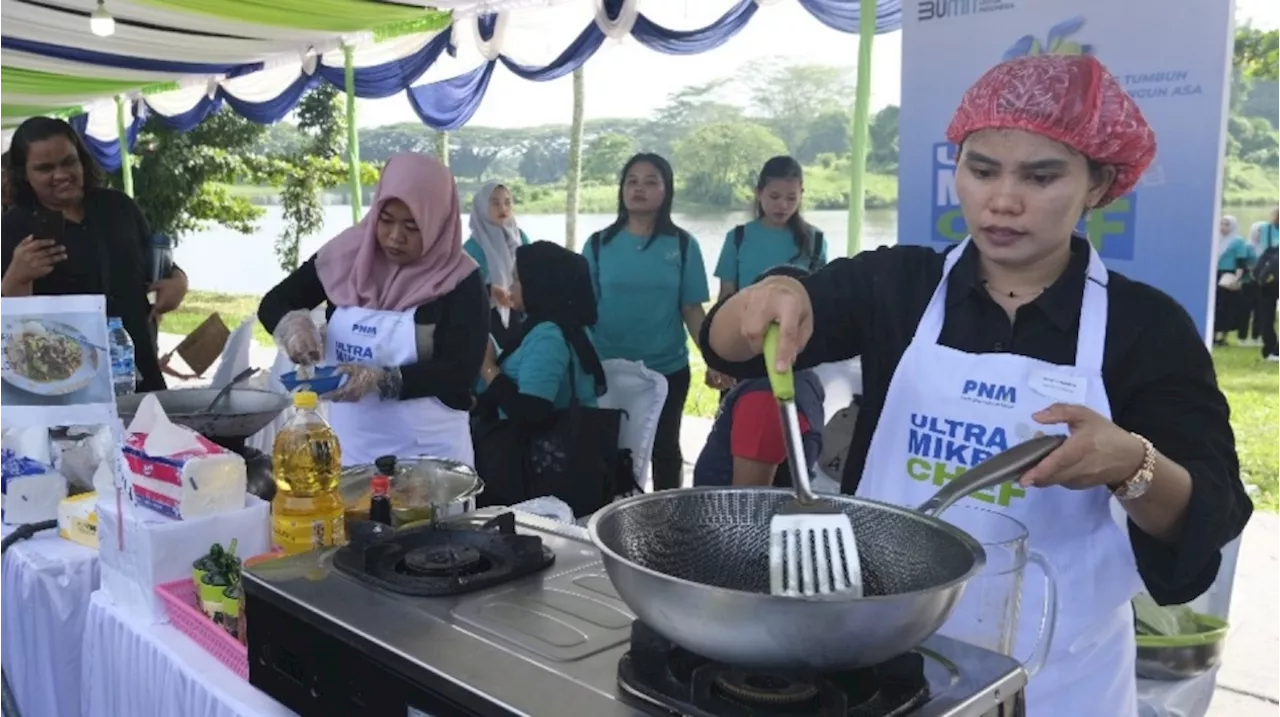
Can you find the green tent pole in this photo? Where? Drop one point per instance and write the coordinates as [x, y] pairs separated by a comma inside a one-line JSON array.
[[442, 147], [574, 180], [861, 118], [122, 130], [353, 132]]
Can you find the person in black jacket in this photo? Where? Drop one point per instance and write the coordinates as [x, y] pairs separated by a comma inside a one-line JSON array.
[[408, 319], [102, 248]]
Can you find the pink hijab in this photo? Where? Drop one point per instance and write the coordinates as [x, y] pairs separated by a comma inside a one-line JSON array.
[[355, 271]]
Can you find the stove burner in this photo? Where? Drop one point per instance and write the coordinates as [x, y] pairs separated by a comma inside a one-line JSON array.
[[444, 561], [660, 673], [447, 559], [764, 688]]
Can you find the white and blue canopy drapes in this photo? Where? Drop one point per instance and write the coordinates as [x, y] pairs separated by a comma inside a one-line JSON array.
[[186, 65]]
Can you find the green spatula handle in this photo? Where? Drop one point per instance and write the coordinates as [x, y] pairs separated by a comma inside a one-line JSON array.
[[783, 383]]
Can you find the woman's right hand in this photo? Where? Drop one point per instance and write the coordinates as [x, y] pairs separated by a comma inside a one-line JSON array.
[[299, 338], [34, 259], [501, 297], [777, 300]]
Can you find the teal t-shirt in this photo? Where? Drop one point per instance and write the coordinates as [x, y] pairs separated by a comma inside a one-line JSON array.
[[763, 248], [472, 247], [1268, 237], [540, 367], [641, 293], [1236, 251]]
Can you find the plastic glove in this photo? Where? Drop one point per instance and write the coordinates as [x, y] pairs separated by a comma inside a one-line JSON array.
[[299, 338], [364, 379]]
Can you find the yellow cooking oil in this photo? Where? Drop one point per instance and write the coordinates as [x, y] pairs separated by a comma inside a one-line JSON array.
[[306, 462]]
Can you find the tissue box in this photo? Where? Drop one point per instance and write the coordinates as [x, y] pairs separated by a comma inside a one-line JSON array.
[[30, 491], [205, 479], [158, 550], [77, 520]]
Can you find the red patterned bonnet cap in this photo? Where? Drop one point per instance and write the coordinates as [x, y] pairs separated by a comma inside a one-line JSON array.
[[1069, 98]]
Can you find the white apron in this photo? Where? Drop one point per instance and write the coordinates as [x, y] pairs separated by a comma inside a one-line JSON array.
[[947, 410], [371, 427]]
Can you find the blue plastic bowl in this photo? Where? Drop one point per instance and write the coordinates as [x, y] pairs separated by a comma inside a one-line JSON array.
[[324, 380]]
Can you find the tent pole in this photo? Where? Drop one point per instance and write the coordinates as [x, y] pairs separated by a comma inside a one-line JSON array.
[[353, 132], [859, 134], [442, 147], [574, 180], [122, 132]]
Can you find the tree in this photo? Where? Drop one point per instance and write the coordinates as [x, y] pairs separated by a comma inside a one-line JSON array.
[[687, 110], [828, 134], [883, 137], [1257, 53], [180, 178], [605, 156], [719, 161], [790, 97]]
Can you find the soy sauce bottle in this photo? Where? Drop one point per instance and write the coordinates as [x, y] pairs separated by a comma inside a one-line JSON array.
[[380, 484]]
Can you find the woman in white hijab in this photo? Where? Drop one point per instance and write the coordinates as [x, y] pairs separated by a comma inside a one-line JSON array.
[[495, 236]]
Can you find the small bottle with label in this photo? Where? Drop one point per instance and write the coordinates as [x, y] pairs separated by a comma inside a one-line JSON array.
[[380, 501]]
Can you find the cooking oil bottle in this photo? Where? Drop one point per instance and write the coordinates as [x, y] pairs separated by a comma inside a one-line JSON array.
[[306, 462]]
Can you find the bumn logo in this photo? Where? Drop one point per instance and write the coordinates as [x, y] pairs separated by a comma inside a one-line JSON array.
[[927, 10], [363, 330], [984, 392]]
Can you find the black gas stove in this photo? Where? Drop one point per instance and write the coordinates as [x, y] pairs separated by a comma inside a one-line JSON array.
[[517, 616]]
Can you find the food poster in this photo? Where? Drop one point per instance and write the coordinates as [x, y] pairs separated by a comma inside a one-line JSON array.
[[56, 368]]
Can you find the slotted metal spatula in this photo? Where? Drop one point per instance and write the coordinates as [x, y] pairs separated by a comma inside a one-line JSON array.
[[812, 548]]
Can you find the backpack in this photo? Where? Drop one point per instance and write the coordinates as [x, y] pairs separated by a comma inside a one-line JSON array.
[[596, 240], [1267, 270], [740, 233]]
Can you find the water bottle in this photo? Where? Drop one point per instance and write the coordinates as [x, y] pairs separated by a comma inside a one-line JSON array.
[[123, 376]]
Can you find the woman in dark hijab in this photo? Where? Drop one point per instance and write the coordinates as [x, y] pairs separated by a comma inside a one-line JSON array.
[[554, 361]]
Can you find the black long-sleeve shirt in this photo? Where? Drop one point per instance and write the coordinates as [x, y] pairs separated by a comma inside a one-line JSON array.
[[107, 253], [460, 318], [1158, 374]]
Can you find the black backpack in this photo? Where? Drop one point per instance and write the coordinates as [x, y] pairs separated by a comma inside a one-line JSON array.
[[740, 233], [1267, 269], [595, 241]]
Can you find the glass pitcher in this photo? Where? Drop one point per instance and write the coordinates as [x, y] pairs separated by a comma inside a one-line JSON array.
[[988, 612]]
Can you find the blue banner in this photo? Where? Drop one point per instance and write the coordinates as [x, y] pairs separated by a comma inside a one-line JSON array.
[[1175, 64]]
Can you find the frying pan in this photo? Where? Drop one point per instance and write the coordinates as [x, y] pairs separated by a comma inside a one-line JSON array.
[[240, 414], [694, 565]]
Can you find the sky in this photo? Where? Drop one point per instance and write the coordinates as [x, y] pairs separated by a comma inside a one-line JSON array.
[[626, 79]]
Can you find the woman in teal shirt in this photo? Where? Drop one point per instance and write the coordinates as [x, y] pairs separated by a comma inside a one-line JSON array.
[[495, 236], [553, 359], [651, 285], [1233, 261], [778, 236]]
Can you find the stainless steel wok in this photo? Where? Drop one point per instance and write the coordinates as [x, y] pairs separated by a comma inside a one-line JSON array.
[[694, 565], [242, 413]]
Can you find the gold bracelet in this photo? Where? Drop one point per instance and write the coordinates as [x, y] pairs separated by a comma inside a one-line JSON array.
[[1137, 484]]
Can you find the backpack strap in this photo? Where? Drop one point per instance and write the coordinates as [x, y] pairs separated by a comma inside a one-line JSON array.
[[593, 243], [684, 252], [815, 258], [739, 233]]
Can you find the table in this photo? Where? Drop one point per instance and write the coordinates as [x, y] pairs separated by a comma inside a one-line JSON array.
[[46, 582], [141, 670]]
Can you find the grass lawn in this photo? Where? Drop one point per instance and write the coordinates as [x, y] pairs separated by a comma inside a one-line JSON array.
[[1252, 387]]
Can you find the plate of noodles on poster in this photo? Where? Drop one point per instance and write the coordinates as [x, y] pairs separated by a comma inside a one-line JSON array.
[[46, 357]]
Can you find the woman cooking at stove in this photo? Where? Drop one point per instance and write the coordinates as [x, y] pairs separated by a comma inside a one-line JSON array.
[[1021, 328], [407, 319]]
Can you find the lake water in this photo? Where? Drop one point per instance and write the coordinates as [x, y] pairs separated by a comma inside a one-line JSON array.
[[221, 259], [224, 260]]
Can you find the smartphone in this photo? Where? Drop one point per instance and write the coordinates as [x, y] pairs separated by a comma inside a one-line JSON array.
[[48, 224]]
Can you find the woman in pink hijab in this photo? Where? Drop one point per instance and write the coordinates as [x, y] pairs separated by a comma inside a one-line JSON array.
[[408, 319]]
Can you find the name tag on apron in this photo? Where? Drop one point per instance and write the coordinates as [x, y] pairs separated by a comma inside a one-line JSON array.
[[1063, 387]]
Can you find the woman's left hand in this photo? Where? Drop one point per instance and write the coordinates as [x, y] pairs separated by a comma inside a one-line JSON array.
[[1098, 452], [169, 294], [362, 379]]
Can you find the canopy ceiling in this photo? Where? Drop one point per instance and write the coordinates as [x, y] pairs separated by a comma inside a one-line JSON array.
[[182, 59]]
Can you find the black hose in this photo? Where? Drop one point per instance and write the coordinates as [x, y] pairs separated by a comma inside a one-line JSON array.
[[8, 705], [22, 532]]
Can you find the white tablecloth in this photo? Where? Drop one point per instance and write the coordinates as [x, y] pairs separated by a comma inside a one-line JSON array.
[[136, 670], [46, 586]]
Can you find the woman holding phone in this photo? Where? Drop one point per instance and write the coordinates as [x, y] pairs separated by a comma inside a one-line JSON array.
[[69, 234]]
